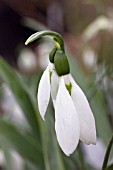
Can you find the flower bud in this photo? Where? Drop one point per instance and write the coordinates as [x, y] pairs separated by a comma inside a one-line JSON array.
[[52, 55], [61, 63]]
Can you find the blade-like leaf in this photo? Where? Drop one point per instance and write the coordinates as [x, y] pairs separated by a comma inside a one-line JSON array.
[[27, 103], [26, 146], [7, 155], [110, 167], [107, 154], [9, 76]]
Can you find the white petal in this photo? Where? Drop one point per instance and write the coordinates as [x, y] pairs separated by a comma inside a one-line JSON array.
[[67, 79], [85, 115], [67, 123], [51, 66], [54, 86], [44, 92]]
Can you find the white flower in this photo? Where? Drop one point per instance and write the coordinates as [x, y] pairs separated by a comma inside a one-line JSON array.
[[73, 117]]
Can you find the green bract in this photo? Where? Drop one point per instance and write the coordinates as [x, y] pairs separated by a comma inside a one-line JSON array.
[[61, 63], [52, 55]]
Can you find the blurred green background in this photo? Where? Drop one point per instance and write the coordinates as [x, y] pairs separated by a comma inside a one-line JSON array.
[[26, 142]]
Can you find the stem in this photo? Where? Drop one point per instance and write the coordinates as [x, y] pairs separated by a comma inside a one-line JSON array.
[[44, 147], [83, 165], [42, 135], [40, 34], [104, 166], [56, 43]]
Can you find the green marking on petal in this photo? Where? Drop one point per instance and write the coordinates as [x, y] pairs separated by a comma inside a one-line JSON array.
[[69, 87], [50, 74]]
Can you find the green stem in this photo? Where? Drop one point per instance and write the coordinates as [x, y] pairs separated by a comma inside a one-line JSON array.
[[42, 135], [83, 165], [44, 146], [104, 166], [40, 34]]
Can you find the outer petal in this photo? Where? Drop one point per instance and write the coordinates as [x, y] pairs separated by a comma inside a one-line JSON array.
[[54, 86], [85, 115], [44, 92], [67, 123]]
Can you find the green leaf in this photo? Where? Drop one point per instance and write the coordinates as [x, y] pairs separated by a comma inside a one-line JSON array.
[[27, 103], [9, 76], [104, 166], [7, 155], [110, 167], [26, 146]]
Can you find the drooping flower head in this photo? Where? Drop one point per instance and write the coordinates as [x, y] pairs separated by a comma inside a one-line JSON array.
[[74, 119]]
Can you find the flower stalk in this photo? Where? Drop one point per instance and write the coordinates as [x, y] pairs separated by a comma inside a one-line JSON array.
[[106, 158], [52, 34]]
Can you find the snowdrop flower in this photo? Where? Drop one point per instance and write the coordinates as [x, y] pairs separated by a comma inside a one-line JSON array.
[[74, 120], [73, 117]]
